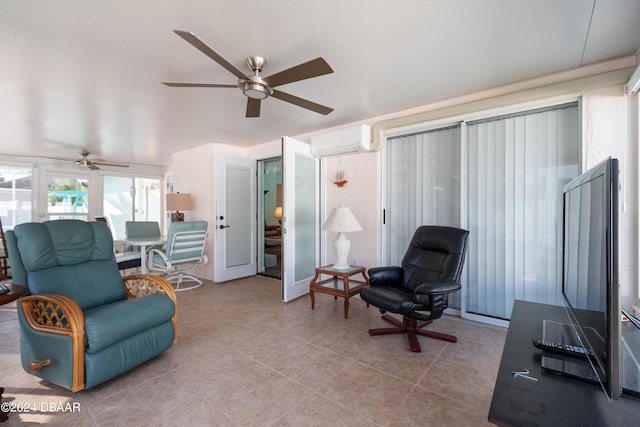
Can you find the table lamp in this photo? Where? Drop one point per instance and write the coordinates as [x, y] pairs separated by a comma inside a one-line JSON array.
[[177, 202], [278, 214], [341, 220]]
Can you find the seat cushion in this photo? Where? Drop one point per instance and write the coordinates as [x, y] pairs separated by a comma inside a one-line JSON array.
[[114, 322], [394, 300]]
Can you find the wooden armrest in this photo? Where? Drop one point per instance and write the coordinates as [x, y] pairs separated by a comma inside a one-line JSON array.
[[140, 285], [54, 314], [58, 315]]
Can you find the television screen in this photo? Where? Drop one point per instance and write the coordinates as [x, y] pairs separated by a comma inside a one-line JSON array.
[[590, 279]]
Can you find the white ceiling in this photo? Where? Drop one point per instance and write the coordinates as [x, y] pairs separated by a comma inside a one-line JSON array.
[[80, 74]]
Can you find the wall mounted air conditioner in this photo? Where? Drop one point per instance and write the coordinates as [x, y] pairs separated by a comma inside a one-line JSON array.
[[343, 141]]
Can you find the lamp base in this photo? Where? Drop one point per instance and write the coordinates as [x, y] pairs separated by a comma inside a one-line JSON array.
[[177, 217], [341, 266], [341, 246]]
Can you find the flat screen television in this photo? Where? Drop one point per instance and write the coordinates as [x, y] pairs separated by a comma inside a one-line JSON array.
[[590, 285]]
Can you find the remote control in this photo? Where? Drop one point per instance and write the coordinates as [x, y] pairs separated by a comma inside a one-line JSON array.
[[4, 289], [558, 347]]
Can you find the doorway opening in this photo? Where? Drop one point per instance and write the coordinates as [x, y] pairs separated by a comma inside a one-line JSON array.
[[270, 217]]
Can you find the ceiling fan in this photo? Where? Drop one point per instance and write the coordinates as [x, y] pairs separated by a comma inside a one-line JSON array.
[[257, 88], [93, 164]]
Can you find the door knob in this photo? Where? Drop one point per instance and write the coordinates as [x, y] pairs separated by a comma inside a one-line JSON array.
[[222, 227]]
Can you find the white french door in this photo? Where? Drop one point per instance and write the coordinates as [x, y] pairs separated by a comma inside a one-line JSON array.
[[300, 219], [234, 230]]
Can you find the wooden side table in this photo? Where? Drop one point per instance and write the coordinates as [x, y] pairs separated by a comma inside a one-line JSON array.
[[14, 293], [344, 288]]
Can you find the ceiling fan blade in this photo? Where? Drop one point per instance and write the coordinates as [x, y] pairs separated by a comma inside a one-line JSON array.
[[197, 85], [253, 107], [301, 102], [315, 67], [118, 165], [202, 47], [92, 167]]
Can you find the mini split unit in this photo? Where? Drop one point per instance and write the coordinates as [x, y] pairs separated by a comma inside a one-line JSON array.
[[343, 141]]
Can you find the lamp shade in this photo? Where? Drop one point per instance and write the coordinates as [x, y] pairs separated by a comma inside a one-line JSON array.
[[342, 220], [179, 202]]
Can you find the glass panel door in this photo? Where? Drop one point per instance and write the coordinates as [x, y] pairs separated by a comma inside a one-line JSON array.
[[300, 220], [422, 188], [516, 168], [117, 203], [130, 199], [67, 197], [15, 196]]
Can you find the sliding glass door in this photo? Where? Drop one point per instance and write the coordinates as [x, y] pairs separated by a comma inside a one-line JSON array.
[[516, 168], [130, 199], [422, 187], [67, 196], [501, 178]]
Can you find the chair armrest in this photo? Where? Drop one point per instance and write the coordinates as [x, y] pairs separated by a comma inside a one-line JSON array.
[[53, 314], [437, 288], [57, 315], [385, 276], [140, 285], [157, 251]]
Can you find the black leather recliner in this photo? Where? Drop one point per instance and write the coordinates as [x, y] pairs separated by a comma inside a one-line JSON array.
[[419, 289]]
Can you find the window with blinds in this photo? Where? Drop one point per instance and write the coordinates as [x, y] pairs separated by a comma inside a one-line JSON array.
[[508, 195]]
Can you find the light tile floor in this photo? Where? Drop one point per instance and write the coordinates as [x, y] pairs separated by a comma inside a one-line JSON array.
[[243, 358]]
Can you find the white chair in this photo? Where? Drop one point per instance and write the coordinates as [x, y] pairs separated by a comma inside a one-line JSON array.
[[183, 251]]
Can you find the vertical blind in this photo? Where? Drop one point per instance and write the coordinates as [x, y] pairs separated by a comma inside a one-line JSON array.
[[422, 187], [515, 168]]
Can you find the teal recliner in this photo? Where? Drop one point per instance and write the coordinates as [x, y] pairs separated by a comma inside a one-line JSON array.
[[82, 323]]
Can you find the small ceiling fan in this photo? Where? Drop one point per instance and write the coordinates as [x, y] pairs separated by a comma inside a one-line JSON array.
[[93, 164], [257, 88]]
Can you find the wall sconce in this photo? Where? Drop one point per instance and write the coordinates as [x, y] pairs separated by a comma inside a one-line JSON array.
[[341, 179], [154, 190], [177, 202]]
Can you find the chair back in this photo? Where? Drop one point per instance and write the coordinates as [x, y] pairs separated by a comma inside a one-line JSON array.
[[435, 253], [69, 257], [186, 241], [142, 229]]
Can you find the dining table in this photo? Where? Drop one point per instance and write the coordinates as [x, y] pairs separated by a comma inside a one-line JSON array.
[[143, 243]]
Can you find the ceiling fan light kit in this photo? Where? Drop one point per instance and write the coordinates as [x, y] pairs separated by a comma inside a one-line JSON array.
[[257, 88]]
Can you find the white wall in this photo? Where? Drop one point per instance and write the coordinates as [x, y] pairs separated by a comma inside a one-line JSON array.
[[610, 129], [362, 194]]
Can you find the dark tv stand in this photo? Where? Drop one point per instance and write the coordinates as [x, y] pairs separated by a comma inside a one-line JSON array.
[[553, 400]]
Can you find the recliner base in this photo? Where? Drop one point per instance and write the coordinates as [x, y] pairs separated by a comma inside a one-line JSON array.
[[412, 328]]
